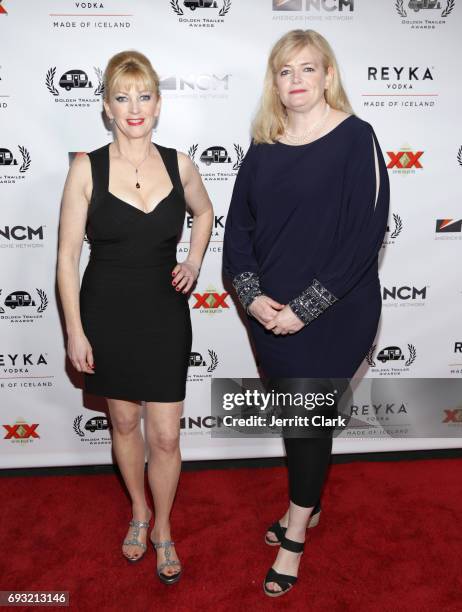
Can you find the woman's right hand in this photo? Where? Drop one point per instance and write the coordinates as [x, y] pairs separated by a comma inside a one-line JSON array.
[[80, 353], [264, 309]]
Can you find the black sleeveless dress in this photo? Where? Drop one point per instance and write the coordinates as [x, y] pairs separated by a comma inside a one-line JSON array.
[[138, 325]]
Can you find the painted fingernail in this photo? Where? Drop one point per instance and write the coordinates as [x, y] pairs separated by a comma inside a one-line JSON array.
[[173, 283], [177, 289], [173, 273]]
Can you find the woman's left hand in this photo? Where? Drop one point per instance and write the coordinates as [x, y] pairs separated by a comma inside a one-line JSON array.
[[285, 322], [184, 275]]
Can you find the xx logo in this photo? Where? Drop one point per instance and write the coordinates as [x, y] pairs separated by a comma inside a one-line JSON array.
[[453, 416], [21, 431], [404, 159], [211, 300]]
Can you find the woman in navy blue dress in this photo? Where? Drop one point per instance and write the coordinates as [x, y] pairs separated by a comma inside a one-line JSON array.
[[306, 222]]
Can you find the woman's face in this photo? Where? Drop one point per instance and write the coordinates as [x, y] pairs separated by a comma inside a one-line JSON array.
[[302, 81], [133, 109]]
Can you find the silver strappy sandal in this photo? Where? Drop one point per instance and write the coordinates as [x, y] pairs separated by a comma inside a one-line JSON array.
[[165, 578], [137, 525]]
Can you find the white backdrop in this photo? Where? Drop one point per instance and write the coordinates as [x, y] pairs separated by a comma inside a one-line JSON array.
[[400, 65]]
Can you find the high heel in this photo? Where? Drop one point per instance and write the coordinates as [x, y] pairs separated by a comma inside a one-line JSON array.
[[137, 525], [279, 531], [165, 578], [285, 581]]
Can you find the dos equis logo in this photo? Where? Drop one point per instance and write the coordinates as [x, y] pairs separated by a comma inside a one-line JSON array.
[[21, 432], [211, 301], [405, 161], [216, 11]]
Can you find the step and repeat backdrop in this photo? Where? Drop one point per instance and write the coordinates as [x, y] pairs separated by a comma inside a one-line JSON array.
[[400, 62]]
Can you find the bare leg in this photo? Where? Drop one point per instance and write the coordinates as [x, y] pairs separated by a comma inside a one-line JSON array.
[[129, 450], [164, 465]]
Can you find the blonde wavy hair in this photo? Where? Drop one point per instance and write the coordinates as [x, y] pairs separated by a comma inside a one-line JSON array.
[[268, 125], [129, 68]]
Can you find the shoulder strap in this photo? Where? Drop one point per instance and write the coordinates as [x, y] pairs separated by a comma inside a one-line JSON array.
[[99, 160], [170, 159]]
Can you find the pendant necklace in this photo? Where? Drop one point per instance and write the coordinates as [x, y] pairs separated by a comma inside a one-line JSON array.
[[300, 139], [137, 185]]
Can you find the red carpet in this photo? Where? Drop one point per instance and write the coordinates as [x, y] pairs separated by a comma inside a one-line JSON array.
[[390, 539]]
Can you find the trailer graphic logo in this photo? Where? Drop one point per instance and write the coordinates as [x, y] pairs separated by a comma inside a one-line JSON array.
[[94, 424], [424, 14], [217, 11], [391, 355], [219, 165], [12, 170], [21, 432], [77, 82], [23, 301]]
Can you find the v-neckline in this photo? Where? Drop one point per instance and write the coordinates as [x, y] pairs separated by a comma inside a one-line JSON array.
[[143, 212]]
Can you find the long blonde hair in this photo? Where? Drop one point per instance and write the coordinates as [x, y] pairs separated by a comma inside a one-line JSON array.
[[269, 121]]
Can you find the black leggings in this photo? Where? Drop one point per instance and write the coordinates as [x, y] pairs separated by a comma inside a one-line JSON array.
[[308, 460], [308, 457]]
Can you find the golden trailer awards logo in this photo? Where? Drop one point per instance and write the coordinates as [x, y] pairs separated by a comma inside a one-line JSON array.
[[209, 14], [94, 425], [21, 432], [200, 368], [12, 170], [215, 163], [22, 306], [428, 13], [75, 82], [391, 358]]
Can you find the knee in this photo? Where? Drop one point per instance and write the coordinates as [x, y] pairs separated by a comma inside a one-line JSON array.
[[164, 441], [125, 424]]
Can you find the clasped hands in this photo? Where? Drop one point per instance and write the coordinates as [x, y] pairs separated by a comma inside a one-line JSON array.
[[276, 317]]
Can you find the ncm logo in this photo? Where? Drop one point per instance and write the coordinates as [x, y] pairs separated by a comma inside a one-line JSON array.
[[21, 232], [404, 293]]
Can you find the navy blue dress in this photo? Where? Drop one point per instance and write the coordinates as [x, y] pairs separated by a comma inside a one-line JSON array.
[[305, 227]]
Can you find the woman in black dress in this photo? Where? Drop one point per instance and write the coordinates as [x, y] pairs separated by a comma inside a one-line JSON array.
[[131, 332], [306, 222]]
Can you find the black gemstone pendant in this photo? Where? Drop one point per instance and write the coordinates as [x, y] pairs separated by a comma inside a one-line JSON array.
[[137, 185]]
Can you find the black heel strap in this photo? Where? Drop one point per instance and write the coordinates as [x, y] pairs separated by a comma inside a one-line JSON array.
[[282, 580], [278, 530], [292, 546]]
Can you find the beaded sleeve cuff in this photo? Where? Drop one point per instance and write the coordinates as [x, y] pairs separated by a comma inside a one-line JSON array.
[[312, 302], [247, 285]]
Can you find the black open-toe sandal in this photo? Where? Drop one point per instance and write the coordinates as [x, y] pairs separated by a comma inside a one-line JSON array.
[[279, 531], [165, 578], [285, 581]]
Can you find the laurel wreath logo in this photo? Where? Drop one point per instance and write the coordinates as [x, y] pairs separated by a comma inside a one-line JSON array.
[[25, 159], [2, 310], [449, 7], [369, 356], [214, 360], [400, 8], [412, 354], [192, 153], [227, 5], [77, 424], [459, 156], [240, 156], [398, 226], [175, 7], [99, 75], [43, 300], [49, 81]]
